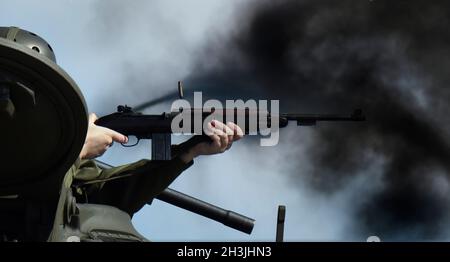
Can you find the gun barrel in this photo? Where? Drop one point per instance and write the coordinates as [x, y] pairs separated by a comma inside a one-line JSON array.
[[226, 217], [129, 123], [311, 119]]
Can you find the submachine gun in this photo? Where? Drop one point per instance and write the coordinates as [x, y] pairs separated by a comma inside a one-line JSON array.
[[158, 128]]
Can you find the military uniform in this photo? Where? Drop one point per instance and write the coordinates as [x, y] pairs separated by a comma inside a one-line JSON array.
[[44, 116], [127, 187], [97, 204], [39, 99]]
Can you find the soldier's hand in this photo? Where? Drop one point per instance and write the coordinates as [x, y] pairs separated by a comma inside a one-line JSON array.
[[222, 137], [99, 139]]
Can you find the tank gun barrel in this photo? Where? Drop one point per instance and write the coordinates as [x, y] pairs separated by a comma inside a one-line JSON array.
[[226, 217]]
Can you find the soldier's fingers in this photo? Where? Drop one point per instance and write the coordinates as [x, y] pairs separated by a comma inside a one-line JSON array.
[[223, 127], [238, 133], [209, 129], [216, 141], [210, 132], [92, 118], [228, 132], [116, 136], [232, 126], [223, 138], [109, 140]]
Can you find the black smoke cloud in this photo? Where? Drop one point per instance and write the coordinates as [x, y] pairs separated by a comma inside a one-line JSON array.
[[389, 58]]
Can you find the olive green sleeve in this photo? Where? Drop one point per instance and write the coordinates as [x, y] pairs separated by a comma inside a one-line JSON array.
[[87, 172], [130, 193]]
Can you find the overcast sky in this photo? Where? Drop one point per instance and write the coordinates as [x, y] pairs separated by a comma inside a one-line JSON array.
[[114, 48]]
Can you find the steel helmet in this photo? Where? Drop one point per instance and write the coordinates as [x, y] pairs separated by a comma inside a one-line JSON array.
[[28, 39], [43, 116]]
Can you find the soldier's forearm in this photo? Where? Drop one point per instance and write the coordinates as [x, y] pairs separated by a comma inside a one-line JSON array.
[[188, 156]]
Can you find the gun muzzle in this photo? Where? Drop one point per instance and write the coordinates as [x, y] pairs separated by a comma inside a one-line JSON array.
[[226, 217]]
